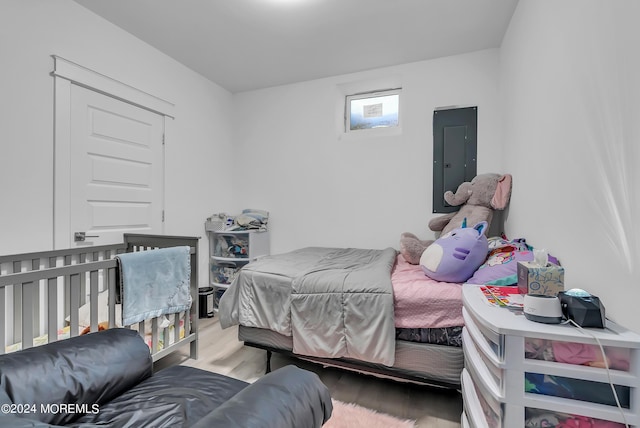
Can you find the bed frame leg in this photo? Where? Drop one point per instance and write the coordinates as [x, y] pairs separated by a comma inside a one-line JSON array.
[[268, 362], [193, 349]]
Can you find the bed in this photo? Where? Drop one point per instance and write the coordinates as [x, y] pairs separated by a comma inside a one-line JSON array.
[[364, 310], [53, 295]]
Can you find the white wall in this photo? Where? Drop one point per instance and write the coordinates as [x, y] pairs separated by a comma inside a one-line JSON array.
[[570, 87], [197, 152], [324, 190], [563, 125]]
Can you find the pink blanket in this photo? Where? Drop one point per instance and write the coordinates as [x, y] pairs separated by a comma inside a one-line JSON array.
[[421, 302]]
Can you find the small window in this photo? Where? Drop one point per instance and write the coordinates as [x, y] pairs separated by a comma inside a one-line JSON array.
[[370, 110]]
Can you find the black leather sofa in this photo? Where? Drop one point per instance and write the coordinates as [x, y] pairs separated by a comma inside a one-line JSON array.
[[106, 379]]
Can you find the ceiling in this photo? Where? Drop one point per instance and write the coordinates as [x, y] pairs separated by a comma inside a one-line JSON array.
[[251, 44]]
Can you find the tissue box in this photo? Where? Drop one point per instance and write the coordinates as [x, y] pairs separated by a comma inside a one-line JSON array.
[[538, 280]]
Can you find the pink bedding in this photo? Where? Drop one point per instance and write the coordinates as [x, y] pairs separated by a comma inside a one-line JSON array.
[[421, 302]]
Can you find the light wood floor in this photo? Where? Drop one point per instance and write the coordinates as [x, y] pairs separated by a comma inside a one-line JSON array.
[[220, 351]]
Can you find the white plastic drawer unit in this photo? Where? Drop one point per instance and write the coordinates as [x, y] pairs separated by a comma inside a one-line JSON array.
[[239, 245], [553, 418], [223, 273], [481, 408], [489, 377], [229, 252], [491, 342], [231, 245], [578, 354], [480, 353], [518, 371]]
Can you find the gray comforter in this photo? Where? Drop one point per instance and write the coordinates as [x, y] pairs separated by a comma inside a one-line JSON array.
[[334, 302]]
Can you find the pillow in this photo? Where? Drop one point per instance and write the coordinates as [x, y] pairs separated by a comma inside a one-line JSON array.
[[501, 266]]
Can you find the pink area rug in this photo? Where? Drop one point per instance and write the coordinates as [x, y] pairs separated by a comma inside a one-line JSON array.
[[347, 415]]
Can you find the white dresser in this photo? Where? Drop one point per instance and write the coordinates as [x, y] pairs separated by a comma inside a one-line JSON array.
[[512, 376]]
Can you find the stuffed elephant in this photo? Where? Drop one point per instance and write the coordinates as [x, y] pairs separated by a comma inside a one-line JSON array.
[[479, 198]]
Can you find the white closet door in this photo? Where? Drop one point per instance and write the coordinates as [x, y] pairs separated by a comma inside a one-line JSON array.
[[116, 168]]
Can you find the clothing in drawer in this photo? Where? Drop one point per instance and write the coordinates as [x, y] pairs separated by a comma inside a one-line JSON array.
[[224, 273], [233, 246], [491, 342], [577, 353], [535, 418], [576, 389]]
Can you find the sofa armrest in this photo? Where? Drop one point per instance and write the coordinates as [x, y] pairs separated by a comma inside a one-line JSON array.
[[84, 370], [287, 397]]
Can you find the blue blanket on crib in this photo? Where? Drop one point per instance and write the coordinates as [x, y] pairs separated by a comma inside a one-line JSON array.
[[154, 283]]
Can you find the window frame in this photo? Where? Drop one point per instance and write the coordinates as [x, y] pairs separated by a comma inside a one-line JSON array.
[[371, 94]]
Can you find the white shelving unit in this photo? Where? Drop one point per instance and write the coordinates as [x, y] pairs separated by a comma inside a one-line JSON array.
[[496, 368], [229, 251]]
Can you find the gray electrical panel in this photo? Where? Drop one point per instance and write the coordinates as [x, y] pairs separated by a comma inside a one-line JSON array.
[[454, 152]]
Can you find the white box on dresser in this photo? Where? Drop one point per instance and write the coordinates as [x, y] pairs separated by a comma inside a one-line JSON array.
[[497, 368]]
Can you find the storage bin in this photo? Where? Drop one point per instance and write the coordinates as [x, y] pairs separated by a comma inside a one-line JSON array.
[[476, 406], [233, 246], [518, 371], [230, 251], [475, 350], [536, 418], [493, 340], [577, 353], [224, 273], [576, 389]]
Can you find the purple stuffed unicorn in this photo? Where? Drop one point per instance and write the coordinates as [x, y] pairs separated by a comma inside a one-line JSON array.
[[455, 256]]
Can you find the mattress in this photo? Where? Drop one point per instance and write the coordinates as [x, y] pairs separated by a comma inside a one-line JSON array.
[[425, 310], [436, 364], [428, 321], [343, 295], [422, 302]]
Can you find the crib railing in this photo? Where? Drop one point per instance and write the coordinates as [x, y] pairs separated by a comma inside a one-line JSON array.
[[142, 242], [42, 292]]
